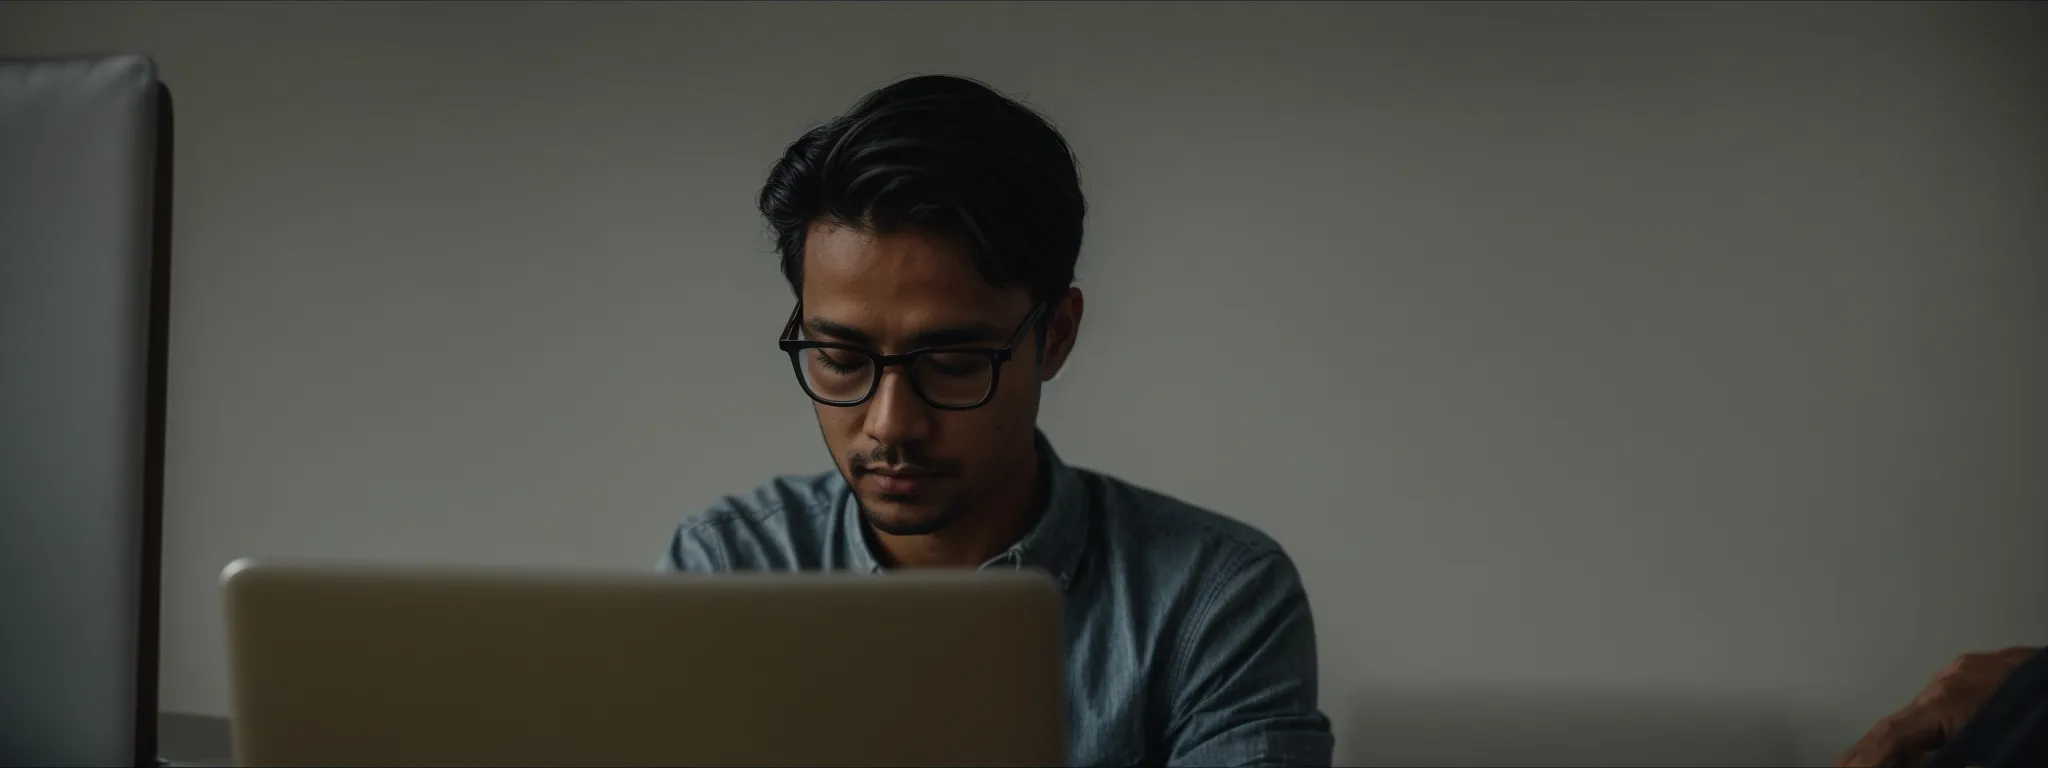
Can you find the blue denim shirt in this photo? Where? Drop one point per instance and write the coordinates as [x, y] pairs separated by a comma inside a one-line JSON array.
[[1188, 639]]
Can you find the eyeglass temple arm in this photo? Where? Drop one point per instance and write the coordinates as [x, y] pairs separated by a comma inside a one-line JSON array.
[[790, 325], [1029, 321]]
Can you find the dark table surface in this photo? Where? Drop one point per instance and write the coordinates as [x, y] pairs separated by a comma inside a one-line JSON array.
[[194, 740]]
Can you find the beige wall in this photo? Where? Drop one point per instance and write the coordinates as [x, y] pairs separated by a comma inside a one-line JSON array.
[[1632, 382]]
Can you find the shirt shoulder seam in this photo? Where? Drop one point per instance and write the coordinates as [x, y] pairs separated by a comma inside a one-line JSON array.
[[1211, 523], [1199, 615], [735, 509]]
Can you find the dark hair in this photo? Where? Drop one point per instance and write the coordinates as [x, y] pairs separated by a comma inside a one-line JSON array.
[[939, 155]]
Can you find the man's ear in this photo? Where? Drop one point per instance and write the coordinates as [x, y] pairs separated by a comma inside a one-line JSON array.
[[1061, 333]]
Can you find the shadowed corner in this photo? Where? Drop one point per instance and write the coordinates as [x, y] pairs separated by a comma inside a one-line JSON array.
[[194, 741], [1565, 727]]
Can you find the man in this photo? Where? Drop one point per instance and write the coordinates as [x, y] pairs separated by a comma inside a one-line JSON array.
[[930, 237], [1938, 713]]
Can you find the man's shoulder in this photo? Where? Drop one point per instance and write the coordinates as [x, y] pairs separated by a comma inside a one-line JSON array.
[[783, 500], [1173, 531], [779, 525], [1235, 659]]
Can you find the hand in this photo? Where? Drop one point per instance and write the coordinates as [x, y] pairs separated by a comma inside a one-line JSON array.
[[1941, 709]]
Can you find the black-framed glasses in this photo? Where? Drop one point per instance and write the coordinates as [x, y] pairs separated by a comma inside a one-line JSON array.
[[947, 378]]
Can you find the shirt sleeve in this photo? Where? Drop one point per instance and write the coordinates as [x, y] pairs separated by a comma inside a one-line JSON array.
[[776, 527], [688, 552], [1245, 683]]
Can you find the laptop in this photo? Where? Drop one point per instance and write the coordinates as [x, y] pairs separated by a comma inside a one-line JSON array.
[[363, 665]]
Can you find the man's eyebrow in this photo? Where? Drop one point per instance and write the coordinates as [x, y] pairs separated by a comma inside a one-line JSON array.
[[818, 326], [943, 336], [955, 335]]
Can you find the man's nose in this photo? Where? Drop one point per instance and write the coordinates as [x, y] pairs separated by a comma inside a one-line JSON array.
[[896, 415]]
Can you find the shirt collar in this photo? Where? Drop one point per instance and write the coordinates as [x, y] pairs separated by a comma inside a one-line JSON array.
[[1054, 544]]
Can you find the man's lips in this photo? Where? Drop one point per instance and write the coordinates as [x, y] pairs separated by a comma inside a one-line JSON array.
[[905, 481]]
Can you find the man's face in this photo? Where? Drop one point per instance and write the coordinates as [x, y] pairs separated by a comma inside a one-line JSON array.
[[916, 468]]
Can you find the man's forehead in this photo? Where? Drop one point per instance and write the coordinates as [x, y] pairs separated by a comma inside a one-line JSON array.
[[898, 286], [883, 300], [899, 265], [885, 324]]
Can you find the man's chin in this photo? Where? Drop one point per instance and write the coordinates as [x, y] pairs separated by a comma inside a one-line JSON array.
[[905, 515]]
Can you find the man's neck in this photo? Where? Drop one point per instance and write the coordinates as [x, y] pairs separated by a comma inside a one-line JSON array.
[[981, 533]]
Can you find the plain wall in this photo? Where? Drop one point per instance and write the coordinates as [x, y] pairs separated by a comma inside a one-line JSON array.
[[1632, 383]]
